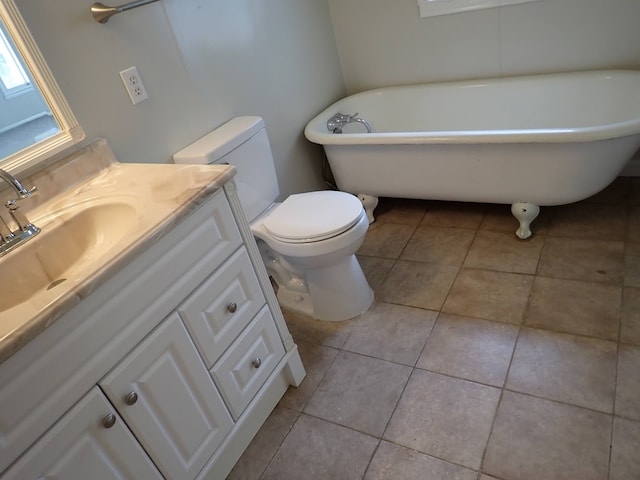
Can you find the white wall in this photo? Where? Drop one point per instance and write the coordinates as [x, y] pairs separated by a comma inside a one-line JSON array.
[[384, 42], [206, 61], [202, 62]]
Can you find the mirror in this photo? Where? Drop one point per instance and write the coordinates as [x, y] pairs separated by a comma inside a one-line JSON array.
[[25, 117], [35, 120]]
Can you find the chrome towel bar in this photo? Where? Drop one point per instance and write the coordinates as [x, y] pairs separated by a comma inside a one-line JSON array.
[[102, 13]]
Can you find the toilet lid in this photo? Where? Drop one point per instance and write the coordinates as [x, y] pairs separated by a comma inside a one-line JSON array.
[[313, 216]]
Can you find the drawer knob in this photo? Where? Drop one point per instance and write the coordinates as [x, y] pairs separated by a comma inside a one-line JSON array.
[[131, 398], [109, 420], [257, 362], [232, 307]]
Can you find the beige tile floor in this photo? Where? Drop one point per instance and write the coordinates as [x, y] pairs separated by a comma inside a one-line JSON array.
[[483, 357]]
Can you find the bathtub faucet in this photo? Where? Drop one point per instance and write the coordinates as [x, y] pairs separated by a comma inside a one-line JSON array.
[[339, 120]]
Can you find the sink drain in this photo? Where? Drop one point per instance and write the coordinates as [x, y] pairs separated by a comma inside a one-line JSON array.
[[56, 283]]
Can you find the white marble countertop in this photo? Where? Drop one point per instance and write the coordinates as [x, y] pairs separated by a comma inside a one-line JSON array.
[[161, 195]]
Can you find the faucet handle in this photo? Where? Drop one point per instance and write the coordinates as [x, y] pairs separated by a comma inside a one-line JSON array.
[[18, 216], [12, 205], [29, 193]]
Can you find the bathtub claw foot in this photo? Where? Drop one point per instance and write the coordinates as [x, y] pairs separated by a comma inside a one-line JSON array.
[[525, 213], [369, 202]]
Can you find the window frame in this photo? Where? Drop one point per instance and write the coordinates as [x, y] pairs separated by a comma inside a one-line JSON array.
[[37, 70]]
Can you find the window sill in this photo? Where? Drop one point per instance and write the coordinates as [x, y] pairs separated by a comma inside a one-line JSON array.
[[433, 8]]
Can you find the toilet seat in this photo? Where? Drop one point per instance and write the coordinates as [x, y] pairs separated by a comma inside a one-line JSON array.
[[313, 216]]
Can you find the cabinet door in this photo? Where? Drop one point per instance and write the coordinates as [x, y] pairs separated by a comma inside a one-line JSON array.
[[165, 394], [90, 442]]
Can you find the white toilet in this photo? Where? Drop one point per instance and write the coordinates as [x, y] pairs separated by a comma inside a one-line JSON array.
[[308, 242]]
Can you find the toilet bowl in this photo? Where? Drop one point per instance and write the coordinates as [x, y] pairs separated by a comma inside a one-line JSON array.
[[310, 253], [308, 241]]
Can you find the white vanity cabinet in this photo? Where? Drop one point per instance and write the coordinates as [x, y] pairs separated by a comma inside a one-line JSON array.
[[187, 343], [90, 442]]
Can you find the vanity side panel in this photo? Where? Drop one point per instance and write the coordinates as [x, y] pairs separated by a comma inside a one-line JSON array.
[[250, 422], [288, 372], [230, 190]]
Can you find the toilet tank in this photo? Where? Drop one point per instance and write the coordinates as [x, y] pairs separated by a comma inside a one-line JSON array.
[[243, 143]]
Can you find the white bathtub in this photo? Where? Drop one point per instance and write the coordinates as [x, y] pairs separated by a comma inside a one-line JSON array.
[[526, 141]]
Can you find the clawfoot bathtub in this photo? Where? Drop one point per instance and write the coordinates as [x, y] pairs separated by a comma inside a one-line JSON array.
[[527, 141]]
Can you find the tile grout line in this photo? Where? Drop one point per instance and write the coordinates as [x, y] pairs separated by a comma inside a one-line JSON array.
[[424, 346], [502, 390], [299, 412], [277, 450], [615, 380], [404, 388], [460, 269]]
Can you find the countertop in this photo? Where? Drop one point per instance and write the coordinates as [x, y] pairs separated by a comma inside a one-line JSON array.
[[162, 195]]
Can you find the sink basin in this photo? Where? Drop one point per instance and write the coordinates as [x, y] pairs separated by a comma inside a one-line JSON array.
[[96, 216], [71, 243]]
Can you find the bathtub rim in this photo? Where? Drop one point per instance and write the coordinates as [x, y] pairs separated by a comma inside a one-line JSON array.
[[315, 130]]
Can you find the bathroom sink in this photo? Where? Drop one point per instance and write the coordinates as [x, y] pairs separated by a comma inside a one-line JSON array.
[[96, 216], [73, 243]]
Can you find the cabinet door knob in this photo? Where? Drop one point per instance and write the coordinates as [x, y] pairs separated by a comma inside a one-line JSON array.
[[232, 307], [109, 420], [131, 398], [257, 362]]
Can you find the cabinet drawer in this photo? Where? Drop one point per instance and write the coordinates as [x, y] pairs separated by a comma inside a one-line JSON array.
[[247, 364], [222, 230], [222, 306]]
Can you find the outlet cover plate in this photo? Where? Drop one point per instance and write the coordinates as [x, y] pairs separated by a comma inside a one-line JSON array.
[[133, 84]]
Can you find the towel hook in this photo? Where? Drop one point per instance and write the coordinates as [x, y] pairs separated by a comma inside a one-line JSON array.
[[103, 13]]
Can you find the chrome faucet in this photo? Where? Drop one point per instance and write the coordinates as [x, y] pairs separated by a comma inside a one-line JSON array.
[[17, 186], [336, 123], [26, 230]]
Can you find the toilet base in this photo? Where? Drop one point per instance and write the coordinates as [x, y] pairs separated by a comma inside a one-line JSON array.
[[335, 293], [295, 301]]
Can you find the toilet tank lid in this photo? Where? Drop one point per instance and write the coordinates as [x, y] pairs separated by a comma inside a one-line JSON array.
[[219, 142]]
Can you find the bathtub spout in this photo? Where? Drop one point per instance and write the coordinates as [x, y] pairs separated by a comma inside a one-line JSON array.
[[336, 123], [363, 122]]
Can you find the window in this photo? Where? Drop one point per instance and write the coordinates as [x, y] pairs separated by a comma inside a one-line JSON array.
[[12, 75], [29, 93], [432, 8]]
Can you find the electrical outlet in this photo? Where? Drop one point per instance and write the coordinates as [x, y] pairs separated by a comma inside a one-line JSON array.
[[133, 83]]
